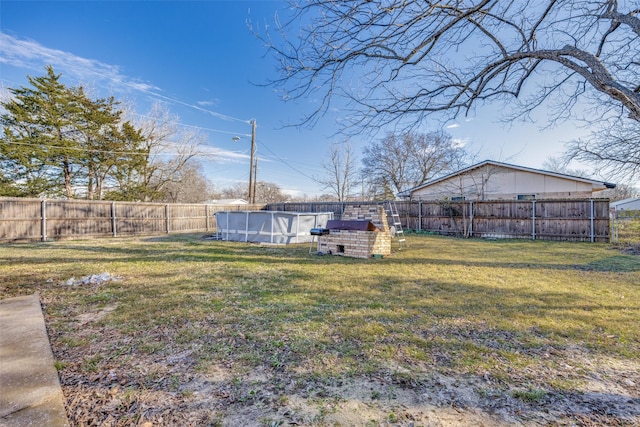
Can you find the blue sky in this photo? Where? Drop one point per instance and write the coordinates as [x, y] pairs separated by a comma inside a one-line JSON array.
[[201, 60]]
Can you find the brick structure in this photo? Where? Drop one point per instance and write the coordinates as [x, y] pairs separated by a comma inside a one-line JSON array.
[[359, 243]]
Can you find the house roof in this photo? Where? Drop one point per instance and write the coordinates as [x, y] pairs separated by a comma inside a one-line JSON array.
[[623, 202], [407, 193]]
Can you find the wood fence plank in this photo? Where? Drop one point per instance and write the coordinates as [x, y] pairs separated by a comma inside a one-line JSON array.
[[572, 220]]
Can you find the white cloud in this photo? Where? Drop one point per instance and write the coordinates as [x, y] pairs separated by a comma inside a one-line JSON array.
[[31, 55], [209, 103], [459, 142], [453, 126]]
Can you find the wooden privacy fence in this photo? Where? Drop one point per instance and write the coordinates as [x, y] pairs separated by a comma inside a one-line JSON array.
[[568, 220], [35, 219], [571, 220]]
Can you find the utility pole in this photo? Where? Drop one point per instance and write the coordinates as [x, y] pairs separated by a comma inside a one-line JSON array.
[[253, 165], [255, 179]]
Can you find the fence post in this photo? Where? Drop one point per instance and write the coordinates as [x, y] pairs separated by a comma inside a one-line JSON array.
[[419, 215], [591, 221], [470, 218], [613, 233], [166, 216], [533, 220], [43, 219], [206, 212], [113, 219]]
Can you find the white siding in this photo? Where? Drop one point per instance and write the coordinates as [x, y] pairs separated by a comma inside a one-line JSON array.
[[497, 182], [627, 205]]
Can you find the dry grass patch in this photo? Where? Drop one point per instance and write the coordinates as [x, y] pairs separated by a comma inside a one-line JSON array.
[[217, 333]]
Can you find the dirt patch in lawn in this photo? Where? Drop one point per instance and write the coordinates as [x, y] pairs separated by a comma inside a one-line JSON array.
[[280, 400], [95, 315]]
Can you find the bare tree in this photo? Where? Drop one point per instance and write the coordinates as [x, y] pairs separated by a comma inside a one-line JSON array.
[[166, 150], [269, 192], [614, 149], [400, 61], [170, 148], [190, 185], [472, 183], [621, 192], [266, 192], [406, 160], [341, 175], [235, 191]]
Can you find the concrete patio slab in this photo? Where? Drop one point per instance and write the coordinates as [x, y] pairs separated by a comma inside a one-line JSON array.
[[30, 392]]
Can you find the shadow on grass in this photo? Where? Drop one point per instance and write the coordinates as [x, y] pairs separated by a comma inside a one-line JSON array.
[[616, 263], [619, 263], [490, 254]]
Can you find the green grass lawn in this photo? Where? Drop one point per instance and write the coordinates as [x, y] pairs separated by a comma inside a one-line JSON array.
[[512, 315]]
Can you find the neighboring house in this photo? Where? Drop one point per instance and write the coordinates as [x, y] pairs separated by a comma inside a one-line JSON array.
[[490, 180], [227, 202], [632, 204]]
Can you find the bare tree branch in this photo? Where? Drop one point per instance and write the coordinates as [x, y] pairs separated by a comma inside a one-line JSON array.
[[400, 61], [614, 150]]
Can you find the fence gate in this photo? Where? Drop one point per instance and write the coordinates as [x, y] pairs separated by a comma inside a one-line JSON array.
[[625, 227]]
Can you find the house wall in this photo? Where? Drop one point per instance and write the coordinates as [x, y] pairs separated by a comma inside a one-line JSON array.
[[499, 183], [629, 205]]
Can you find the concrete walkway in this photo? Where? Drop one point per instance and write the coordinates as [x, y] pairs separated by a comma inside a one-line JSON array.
[[30, 393]]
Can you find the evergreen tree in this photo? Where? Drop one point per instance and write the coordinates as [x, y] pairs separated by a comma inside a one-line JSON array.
[[8, 188], [58, 141], [129, 169], [38, 147], [108, 144], [37, 143]]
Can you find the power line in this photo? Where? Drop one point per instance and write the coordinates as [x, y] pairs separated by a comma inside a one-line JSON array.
[[183, 125], [177, 122], [285, 162], [170, 99], [196, 107], [177, 101], [91, 150], [198, 153], [290, 173], [180, 124]]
